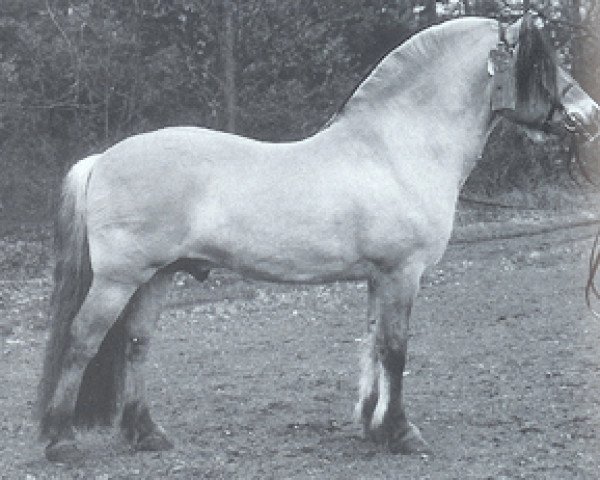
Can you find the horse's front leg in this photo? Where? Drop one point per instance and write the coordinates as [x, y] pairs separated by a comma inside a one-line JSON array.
[[381, 405], [368, 386], [140, 318]]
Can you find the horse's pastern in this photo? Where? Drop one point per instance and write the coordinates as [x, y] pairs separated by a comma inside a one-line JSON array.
[[65, 451], [410, 443], [154, 442]]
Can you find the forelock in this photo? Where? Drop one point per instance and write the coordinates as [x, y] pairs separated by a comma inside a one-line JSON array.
[[536, 63]]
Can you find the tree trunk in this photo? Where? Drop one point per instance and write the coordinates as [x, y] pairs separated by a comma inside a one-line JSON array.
[[430, 12], [576, 54], [577, 70], [228, 55]]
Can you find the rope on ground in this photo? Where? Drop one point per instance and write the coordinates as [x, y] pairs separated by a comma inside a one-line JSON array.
[[464, 239], [493, 203]]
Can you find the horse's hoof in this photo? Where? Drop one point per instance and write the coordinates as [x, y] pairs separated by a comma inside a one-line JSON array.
[[63, 452], [411, 443], [154, 442]]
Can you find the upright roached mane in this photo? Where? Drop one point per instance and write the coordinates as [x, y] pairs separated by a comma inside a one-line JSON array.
[[370, 197]]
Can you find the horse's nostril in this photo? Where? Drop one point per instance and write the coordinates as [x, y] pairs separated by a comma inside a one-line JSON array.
[[592, 130]]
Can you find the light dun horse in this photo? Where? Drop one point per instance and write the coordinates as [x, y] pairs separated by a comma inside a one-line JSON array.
[[370, 197]]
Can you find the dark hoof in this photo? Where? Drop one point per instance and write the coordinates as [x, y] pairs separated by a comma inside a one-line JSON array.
[[411, 443], [63, 452], [154, 442]]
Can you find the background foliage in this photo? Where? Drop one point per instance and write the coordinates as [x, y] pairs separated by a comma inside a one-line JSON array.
[[79, 75]]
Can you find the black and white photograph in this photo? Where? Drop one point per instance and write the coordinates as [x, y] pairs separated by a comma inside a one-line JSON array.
[[300, 239]]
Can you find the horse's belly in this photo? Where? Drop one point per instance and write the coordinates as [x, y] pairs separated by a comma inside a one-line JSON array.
[[301, 272], [321, 236], [283, 254]]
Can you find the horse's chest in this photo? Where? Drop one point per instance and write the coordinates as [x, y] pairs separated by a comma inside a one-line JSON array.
[[406, 228]]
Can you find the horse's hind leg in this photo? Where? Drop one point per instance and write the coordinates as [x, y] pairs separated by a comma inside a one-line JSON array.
[[381, 405], [140, 319], [100, 309]]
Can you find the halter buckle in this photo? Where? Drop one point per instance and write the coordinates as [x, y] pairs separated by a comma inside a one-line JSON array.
[[504, 86]]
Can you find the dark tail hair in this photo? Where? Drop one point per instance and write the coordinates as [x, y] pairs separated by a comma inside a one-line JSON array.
[[104, 380], [72, 280]]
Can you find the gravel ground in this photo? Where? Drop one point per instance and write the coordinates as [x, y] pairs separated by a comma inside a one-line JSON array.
[[256, 381]]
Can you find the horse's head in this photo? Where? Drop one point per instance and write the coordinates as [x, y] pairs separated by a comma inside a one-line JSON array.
[[531, 89]]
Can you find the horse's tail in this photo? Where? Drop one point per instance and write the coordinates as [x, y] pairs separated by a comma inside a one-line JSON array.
[[104, 379], [72, 279]]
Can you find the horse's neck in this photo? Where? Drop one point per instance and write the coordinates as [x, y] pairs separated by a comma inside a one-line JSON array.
[[437, 121]]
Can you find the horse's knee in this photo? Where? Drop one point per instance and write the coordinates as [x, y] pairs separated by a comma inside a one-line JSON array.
[[137, 348], [392, 353], [392, 336]]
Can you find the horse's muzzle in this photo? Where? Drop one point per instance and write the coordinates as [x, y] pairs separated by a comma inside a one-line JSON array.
[[589, 130]]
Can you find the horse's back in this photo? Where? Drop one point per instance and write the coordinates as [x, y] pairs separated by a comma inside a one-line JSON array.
[[191, 192]]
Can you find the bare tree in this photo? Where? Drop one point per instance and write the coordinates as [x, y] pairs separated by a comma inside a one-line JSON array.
[[228, 37]]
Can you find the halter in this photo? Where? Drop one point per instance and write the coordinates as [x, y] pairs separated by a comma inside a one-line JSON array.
[[557, 106], [504, 92], [501, 67], [572, 122], [502, 40]]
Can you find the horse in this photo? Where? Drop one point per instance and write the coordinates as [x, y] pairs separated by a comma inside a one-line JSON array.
[[369, 197]]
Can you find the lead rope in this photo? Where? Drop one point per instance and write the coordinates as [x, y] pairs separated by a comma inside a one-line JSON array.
[[591, 285]]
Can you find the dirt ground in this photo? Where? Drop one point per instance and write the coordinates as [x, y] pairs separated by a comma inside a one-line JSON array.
[[258, 381]]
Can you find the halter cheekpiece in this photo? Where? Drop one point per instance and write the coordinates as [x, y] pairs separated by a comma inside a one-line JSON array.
[[502, 68]]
